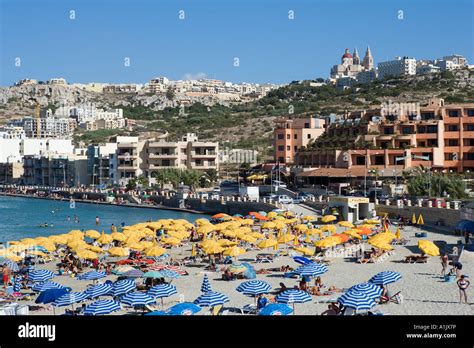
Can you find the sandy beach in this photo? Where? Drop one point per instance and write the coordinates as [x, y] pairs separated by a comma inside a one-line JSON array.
[[424, 291]]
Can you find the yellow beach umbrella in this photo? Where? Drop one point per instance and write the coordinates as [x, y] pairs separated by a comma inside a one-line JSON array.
[[397, 233], [234, 251], [428, 247], [272, 215], [328, 242], [48, 245], [86, 254], [171, 241], [95, 249], [248, 238], [309, 218], [13, 257], [155, 251], [134, 246], [346, 224], [328, 228], [105, 238], [269, 225], [372, 222], [305, 251], [93, 234], [116, 251], [76, 233], [352, 233], [301, 228], [328, 218], [146, 244], [285, 238], [247, 222], [28, 241], [36, 253], [296, 241], [257, 235], [267, 243], [226, 243], [214, 249], [420, 220], [380, 244], [118, 236], [312, 231], [76, 244]]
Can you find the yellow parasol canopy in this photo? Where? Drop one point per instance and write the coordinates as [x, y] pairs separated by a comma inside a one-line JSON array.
[[328, 242], [155, 251], [118, 236], [86, 254], [328, 228], [269, 225], [301, 228], [226, 243], [214, 249], [105, 238], [352, 233], [380, 244], [428, 247], [372, 222], [95, 249], [248, 238], [346, 224], [286, 238], [328, 218], [234, 251], [171, 241], [305, 251], [93, 234], [267, 243], [118, 251], [420, 220]]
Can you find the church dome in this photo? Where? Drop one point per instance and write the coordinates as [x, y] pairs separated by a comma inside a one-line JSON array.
[[347, 54]]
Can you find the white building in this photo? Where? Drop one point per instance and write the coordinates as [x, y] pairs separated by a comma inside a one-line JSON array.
[[367, 76], [49, 127], [427, 69], [12, 132], [452, 62], [397, 67], [57, 81]]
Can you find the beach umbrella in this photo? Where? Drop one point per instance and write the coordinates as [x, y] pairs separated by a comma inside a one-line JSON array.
[[428, 247], [328, 218], [237, 268], [268, 225], [267, 243], [77, 244], [12, 265], [171, 241], [302, 260], [372, 222], [155, 251], [420, 220], [105, 238], [398, 233], [328, 228], [385, 277], [118, 252], [17, 283], [93, 234], [214, 249], [86, 254], [248, 238], [134, 246], [356, 300], [285, 238], [153, 274], [312, 269], [305, 251], [301, 228], [133, 273], [371, 290], [122, 287], [234, 251], [50, 295], [276, 309], [120, 237], [293, 296], [102, 307], [226, 243], [254, 287], [211, 299], [92, 275], [40, 275], [70, 298], [328, 242], [346, 224], [380, 244], [161, 291], [309, 218], [352, 234], [206, 286], [99, 290], [95, 249], [39, 287], [219, 216], [137, 299], [185, 308]]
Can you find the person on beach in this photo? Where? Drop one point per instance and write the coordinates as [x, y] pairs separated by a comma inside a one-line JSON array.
[[330, 311], [457, 268], [444, 263], [261, 301], [6, 276], [463, 284], [467, 236], [113, 229]]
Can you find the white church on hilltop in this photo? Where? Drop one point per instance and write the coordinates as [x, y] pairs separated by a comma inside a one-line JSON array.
[[351, 64]]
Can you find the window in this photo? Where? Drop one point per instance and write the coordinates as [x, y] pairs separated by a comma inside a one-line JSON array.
[[453, 128], [388, 130], [281, 148], [427, 115], [469, 127], [309, 136], [407, 130], [468, 142], [432, 129], [453, 113], [470, 112], [296, 136], [469, 156], [379, 160], [360, 160], [453, 142], [296, 148], [306, 125], [288, 136], [281, 136], [288, 148], [281, 159]]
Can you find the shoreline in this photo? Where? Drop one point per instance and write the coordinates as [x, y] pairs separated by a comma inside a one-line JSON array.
[[88, 201]]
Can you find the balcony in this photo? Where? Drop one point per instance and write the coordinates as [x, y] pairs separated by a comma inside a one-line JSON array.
[[163, 155], [127, 168], [203, 154], [160, 166], [123, 156]]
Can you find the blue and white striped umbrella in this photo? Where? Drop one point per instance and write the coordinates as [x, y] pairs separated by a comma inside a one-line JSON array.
[[137, 299], [185, 308], [293, 296], [102, 307], [162, 290], [357, 300], [311, 270], [371, 290], [275, 309], [99, 290], [254, 287], [69, 299], [211, 299], [206, 286], [39, 287], [123, 286], [40, 275], [92, 275], [386, 277], [11, 264]]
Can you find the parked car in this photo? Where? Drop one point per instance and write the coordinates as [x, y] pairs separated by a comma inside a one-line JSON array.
[[304, 196], [277, 183], [284, 199]]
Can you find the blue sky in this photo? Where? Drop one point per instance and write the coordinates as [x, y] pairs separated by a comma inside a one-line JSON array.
[[270, 47]]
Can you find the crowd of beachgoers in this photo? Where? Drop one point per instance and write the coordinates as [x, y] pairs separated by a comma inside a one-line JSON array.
[[273, 263]]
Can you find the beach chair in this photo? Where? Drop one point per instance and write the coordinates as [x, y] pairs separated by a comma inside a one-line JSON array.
[[249, 309], [397, 298], [349, 311]]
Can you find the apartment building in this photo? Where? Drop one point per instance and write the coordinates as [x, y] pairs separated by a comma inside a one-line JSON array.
[[437, 136], [292, 134], [48, 127], [397, 67]]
